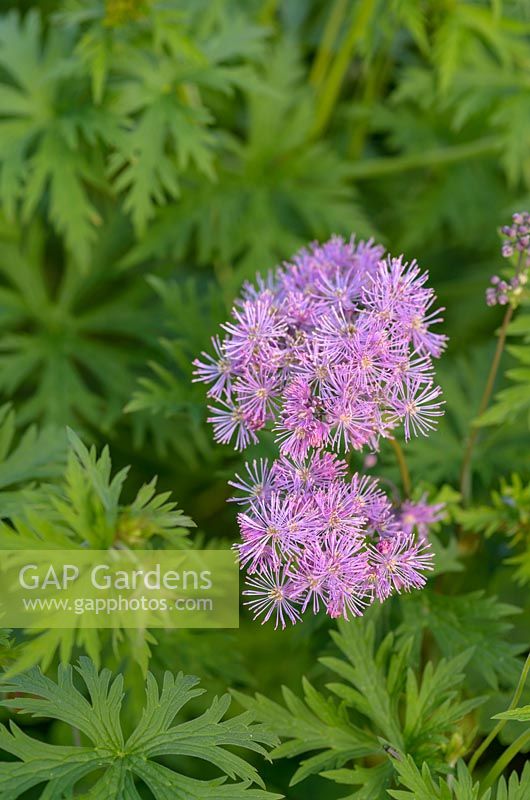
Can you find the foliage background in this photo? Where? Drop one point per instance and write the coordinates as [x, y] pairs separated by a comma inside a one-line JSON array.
[[153, 155]]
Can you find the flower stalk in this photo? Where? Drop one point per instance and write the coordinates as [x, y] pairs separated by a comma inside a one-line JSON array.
[[518, 240], [465, 473], [403, 466], [502, 722]]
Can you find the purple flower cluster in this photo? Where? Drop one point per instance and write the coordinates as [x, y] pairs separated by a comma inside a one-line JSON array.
[[312, 539], [419, 516], [331, 351]]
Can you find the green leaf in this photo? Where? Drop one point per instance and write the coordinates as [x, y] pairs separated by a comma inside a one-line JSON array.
[[127, 762], [166, 128], [275, 187], [513, 118], [508, 516], [472, 622], [517, 787], [43, 157], [26, 458], [440, 456], [69, 347], [384, 708], [513, 401], [521, 714], [84, 508], [422, 786]]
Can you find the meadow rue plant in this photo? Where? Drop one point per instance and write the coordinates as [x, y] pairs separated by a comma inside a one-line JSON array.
[[155, 154], [332, 351]]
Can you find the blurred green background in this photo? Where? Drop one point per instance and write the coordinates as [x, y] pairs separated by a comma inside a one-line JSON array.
[[154, 155]]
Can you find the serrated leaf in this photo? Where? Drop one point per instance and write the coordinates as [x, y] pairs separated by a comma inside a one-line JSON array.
[[126, 761], [470, 621], [42, 155], [68, 350], [521, 714], [273, 174], [373, 690], [516, 787], [85, 508], [420, 785]]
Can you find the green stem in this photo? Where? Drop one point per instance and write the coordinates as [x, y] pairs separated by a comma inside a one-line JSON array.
[[378, 167], [325, 50], [361, 126], [268, 12], [376, 76], [465, 473], [502, 722], [503, 761], [332, 85], [496, 7], [403, 467]]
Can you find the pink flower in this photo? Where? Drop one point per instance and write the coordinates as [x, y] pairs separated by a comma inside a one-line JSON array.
[[331, 351]]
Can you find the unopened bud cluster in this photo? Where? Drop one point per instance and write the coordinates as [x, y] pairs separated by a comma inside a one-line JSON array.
[[516, 243], [517, 236]]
